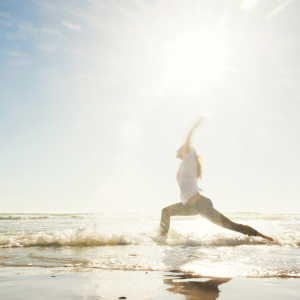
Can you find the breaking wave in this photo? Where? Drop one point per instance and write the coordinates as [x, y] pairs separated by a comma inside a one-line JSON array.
[[93, 234], [38, 216]]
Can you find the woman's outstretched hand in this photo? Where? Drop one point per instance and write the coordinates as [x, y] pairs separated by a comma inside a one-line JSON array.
[[199, 121]]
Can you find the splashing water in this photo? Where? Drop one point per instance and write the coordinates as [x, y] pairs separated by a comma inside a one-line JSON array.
[[129, 241]]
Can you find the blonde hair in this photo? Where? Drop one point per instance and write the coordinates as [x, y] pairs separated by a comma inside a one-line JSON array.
[[199, 166], [198, 161]]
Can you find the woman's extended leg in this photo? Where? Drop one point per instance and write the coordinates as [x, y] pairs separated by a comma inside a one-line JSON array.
[[177, 209], [205, 208]]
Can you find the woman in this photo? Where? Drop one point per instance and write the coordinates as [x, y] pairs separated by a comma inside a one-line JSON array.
[[193, 203]]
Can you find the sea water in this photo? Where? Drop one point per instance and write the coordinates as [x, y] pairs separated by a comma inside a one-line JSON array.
[[130, 241]]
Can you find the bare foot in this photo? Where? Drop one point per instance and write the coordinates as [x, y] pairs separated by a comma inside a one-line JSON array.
[[265, 236]]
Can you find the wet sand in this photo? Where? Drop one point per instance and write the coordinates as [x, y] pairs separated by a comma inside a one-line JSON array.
[[18, 283]]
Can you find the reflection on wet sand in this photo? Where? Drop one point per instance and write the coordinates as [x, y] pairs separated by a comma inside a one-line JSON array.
[[195, 286]]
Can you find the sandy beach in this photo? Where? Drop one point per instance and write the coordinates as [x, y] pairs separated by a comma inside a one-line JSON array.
[[77, 283], [71, 257]]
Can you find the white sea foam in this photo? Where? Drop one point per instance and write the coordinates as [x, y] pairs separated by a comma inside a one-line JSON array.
[[93, 234], [37, 216], [131, 242]]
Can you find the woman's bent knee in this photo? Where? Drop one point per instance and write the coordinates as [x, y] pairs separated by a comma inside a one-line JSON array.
[[207, 202]]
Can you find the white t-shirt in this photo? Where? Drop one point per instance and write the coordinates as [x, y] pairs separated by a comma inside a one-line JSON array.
[[187, 176]]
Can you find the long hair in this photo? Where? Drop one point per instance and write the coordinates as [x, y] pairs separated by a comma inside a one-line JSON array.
[[198, 161], [199, 166]]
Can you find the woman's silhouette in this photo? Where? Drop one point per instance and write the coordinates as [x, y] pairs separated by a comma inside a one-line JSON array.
[[192, 202]]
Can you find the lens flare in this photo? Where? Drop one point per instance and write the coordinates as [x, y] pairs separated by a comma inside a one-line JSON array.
[[196, 59]]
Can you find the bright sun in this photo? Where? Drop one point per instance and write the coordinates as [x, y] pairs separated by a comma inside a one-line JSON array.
[[195, 59]]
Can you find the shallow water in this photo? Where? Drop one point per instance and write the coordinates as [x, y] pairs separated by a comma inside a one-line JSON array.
[[129, 242], [94, 284]]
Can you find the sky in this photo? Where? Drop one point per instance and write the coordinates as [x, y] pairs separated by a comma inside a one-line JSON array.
[[97, 96]]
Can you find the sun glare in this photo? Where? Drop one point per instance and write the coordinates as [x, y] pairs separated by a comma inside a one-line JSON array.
[[196, 60], [130, 132]]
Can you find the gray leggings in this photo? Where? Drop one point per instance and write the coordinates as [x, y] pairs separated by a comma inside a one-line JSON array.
[[204, 207]]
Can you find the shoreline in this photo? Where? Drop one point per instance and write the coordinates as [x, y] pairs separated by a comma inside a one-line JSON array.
[[79, 269], [89, 283]]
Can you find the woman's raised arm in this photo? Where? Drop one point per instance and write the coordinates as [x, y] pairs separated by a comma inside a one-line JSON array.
[[186, 145]]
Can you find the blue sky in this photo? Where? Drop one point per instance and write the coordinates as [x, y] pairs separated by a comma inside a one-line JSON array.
[[96, 97]]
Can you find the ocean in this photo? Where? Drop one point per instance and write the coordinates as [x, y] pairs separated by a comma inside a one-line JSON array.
[[129, 241]]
